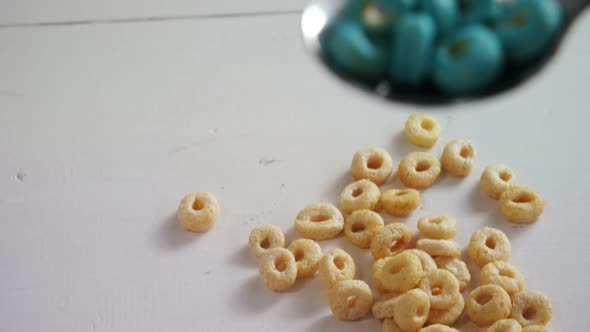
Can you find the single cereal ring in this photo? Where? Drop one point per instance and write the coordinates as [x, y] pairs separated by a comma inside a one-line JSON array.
[[448, 316], [376, 282], [489, 244], [448, 248], [487, 304], [428, 263], [411, 310], [384, 308], [438, 227], [401, 272], [373, 164], [521, 205], [308, 254], [359, 195], [438, 328], [442, 288], [198, 212], [265, 237], [536, 328], [531, 307], [502, 274], [319, 221], [505, 325], [361, 226], [390, 326], [278, 269], [390, 240], [458, 157], [495, 179], [457, 267], [350, 299], [400, 202], [336, 265], [419, 170], [422, 130]]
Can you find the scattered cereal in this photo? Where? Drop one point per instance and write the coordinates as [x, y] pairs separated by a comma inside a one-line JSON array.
[[360, 195], [487, 304], [422, 130], [198, 212], [373, 164], [521, 205], [438, 227], [400, 202], [428, 263], [505, 325], [457, 267], [390, 326], [308, 254], [442, 288], [264, 238], [390, 240], [376, 282], [536, 328], [531, 307], [384, 308], [419, 170], [350, 299], [401, 272], [489, 244], [458, 158], [411, 310], [319, 221], [336, 265], [278, 269], [502, 274], [438, 328], [447, 316], [361, 226], [448, 248], [495, 179]]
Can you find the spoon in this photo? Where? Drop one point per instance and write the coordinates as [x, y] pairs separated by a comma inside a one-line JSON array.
[[319, 14]]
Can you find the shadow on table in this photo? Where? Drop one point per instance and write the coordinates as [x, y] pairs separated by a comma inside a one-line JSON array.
[[243, 258], [253, 297], [170, 235]]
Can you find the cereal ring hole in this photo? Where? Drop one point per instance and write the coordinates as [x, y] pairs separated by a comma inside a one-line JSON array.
[[351, 301], [280, 264], [436, 221], [529, 313], [357, 192], [265, 244], [523, 198], [357, 227], [339, 262], [436, 290], [506, 273], [491, 243], [395, 245], [320, 217], [505, 176], [375, 161], [422, 166], [421, 311], [401, 193], [427, 124], [466, 152], [198, 204], [483, 298], [299, 254]]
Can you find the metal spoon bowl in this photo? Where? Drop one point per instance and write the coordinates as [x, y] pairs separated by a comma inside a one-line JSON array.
[[320, 13]]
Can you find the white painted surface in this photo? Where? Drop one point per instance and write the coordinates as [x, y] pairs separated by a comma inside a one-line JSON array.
[[104, 127], [34, 11]]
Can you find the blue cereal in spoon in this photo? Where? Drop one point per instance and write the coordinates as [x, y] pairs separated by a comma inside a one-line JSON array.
[[477, 11], [444, 12], [413, 44], [468, 61], [348, 46], [379, 17], [527, 27]]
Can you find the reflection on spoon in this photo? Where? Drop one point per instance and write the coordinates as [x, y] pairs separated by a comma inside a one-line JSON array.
[[377, 62]]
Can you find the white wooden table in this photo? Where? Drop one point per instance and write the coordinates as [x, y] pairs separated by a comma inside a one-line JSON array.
[[105, 125]]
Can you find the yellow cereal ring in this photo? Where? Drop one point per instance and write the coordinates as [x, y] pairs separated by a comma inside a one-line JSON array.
[[411, 310], [502, 274], [428, 263], [447, 316], [505, 325], [438, 227], [442, 288], [495, 179], [361, 226], [458, 157], [359, 195], [489, 244], [536, 328], [487, 304], [457, 267], [373, 164], [319, 221], [336, 265], [438, 328], [350, 299], [521, 205], [265, 237], [308, 254], [401, 272], [400, 202], [422, 130], [390, 326], [376, 282], [391, 240], [384, 308], [198, 212], [278, 269], [531, 307], [447, 248], [419, 170]]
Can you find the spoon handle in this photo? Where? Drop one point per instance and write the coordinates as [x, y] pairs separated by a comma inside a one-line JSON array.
[[574, 7]]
